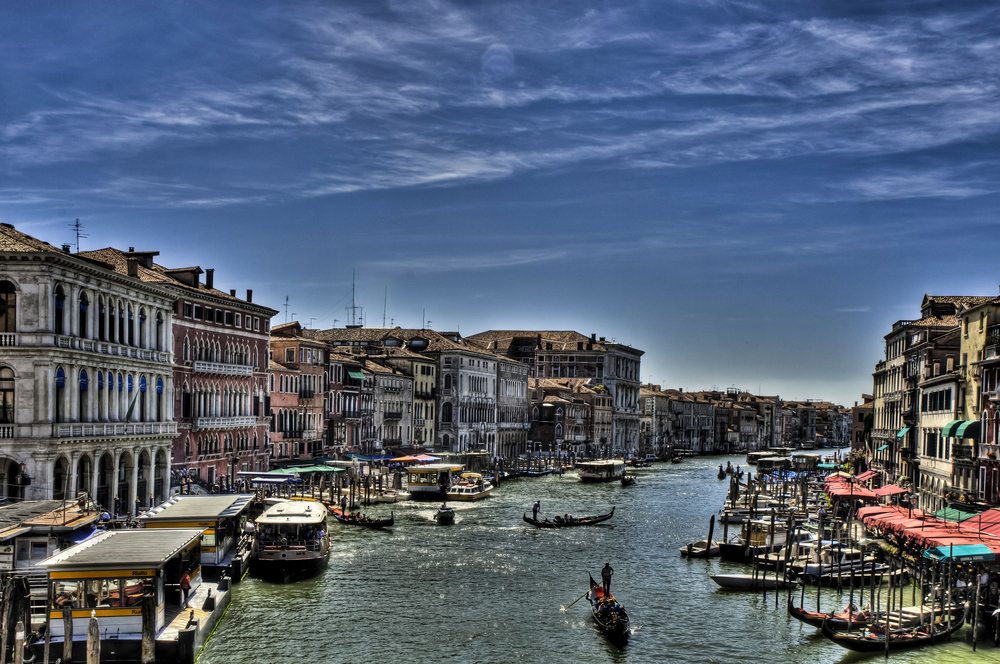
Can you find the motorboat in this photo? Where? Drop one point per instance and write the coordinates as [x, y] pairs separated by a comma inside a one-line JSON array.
[[292, 540], [470, 486]]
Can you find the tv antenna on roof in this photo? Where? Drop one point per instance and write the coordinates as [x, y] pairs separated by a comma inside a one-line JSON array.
[[77, 226]]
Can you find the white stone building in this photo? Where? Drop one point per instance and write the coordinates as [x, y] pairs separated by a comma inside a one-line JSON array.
[[86, 368]]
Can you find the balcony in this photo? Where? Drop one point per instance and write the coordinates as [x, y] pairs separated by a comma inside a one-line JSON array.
[[447, 391], [392, 442], [986, 449], [392, 388], [392, 415], [113, 429], [222, 369], [106, 348], [423, 394], [224, 422], [8, 339], [419, 421]]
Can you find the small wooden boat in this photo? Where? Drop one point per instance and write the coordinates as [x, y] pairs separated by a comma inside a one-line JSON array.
[[700, 549], [628, 480], [894, 640], [445, 516], [676, 459], [838, 621], [721, 474], [365, 521], [560, 522], [748, 582], [609, 615]]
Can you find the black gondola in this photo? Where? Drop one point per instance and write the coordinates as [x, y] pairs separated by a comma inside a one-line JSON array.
[[897, 640], [609, 615], [722, 473], [445, 516], [563, 523], [365, 521], [838, 621], [628, 480]]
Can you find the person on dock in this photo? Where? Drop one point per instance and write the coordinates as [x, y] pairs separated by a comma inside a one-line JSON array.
[[606, 573], [534, 509], [186, 588]]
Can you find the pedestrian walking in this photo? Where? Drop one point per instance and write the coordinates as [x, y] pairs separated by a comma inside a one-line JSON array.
[[186, 588]]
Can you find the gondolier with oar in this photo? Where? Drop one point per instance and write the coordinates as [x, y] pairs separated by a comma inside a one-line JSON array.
[[606, 573], [534, 509]]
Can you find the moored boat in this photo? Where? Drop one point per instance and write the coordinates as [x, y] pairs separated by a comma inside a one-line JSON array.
[[867, 641], [291, 540], [701, 549], [560, 522], [846, 619], [749, 582], [609, 615]]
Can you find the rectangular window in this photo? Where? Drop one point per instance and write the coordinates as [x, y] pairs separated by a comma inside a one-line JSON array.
[[239, 320], [289, 355], [209, 314], [256, 324], [187, 310], [219, 316], [229, 318], [197, 312]]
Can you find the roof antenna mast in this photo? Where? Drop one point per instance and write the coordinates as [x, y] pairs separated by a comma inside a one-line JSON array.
[[77, 226]]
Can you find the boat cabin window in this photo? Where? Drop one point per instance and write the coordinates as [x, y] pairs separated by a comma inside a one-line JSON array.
[[421, 478], [208, 538]]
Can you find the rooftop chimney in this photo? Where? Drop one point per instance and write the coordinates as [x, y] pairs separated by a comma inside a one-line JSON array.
[[132, 268], [593, 336], [232, 292], [249, 295], [131, 250], [209, 277], [65, 248]]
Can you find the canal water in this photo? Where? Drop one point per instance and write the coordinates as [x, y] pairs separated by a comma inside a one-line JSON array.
[[491, 588]]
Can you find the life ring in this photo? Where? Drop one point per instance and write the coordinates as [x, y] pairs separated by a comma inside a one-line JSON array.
[[29, 653]]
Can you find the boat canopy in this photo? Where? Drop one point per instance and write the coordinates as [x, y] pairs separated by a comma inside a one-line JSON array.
[[961, 553]]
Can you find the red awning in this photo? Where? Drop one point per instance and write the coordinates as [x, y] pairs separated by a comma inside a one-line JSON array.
[[890, 490], [867, 475]]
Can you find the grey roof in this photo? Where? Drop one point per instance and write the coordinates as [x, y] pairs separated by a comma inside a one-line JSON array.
[[15, 513], [115, 549], [186, 508]]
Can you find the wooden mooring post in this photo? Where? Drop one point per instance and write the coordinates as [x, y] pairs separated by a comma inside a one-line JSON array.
[[93, 641]]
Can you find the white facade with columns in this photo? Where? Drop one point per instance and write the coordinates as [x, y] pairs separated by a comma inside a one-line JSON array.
[[86, 368]]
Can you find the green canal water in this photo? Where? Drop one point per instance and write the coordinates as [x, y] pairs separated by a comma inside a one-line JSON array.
[[491, 589]]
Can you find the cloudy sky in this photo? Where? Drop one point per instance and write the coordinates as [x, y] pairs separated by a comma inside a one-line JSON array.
[[749, 192]]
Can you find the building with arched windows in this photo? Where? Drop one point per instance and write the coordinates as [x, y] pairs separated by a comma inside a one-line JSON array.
[[86, 378], [220, 344]]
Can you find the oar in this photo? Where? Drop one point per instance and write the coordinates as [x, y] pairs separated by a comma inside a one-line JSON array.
[[576, 600]]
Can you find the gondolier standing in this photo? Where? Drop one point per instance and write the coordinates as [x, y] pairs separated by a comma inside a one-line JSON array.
[[534, 510], [606, 573]]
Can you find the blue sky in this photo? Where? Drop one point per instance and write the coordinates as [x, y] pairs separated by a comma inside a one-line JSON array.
[[749, 192]]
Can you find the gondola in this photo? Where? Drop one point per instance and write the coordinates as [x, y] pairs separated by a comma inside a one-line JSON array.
[[628, 480], [838, 621], [722, 473], [675, 459], [365, 521], [897, 640], [582, 521], [609, 615], [445, 516]]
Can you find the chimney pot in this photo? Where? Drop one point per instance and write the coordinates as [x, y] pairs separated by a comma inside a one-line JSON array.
[[249, 295], [210, 277]]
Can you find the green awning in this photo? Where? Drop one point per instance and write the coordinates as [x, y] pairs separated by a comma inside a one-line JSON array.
[[955, 514], [884, 447], [968, 429], [961, 553], [949, 429], [902, 432], [356, 374]]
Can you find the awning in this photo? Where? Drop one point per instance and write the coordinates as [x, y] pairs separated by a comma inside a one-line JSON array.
[[949, 429], [81, 534], [884, 447], [968, 429], [954, 514], [890, 490], [356, 374], [961, 553], [865, 476], [902, 432]]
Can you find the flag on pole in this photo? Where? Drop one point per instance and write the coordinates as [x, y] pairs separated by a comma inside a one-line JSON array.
[[131, 408]]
